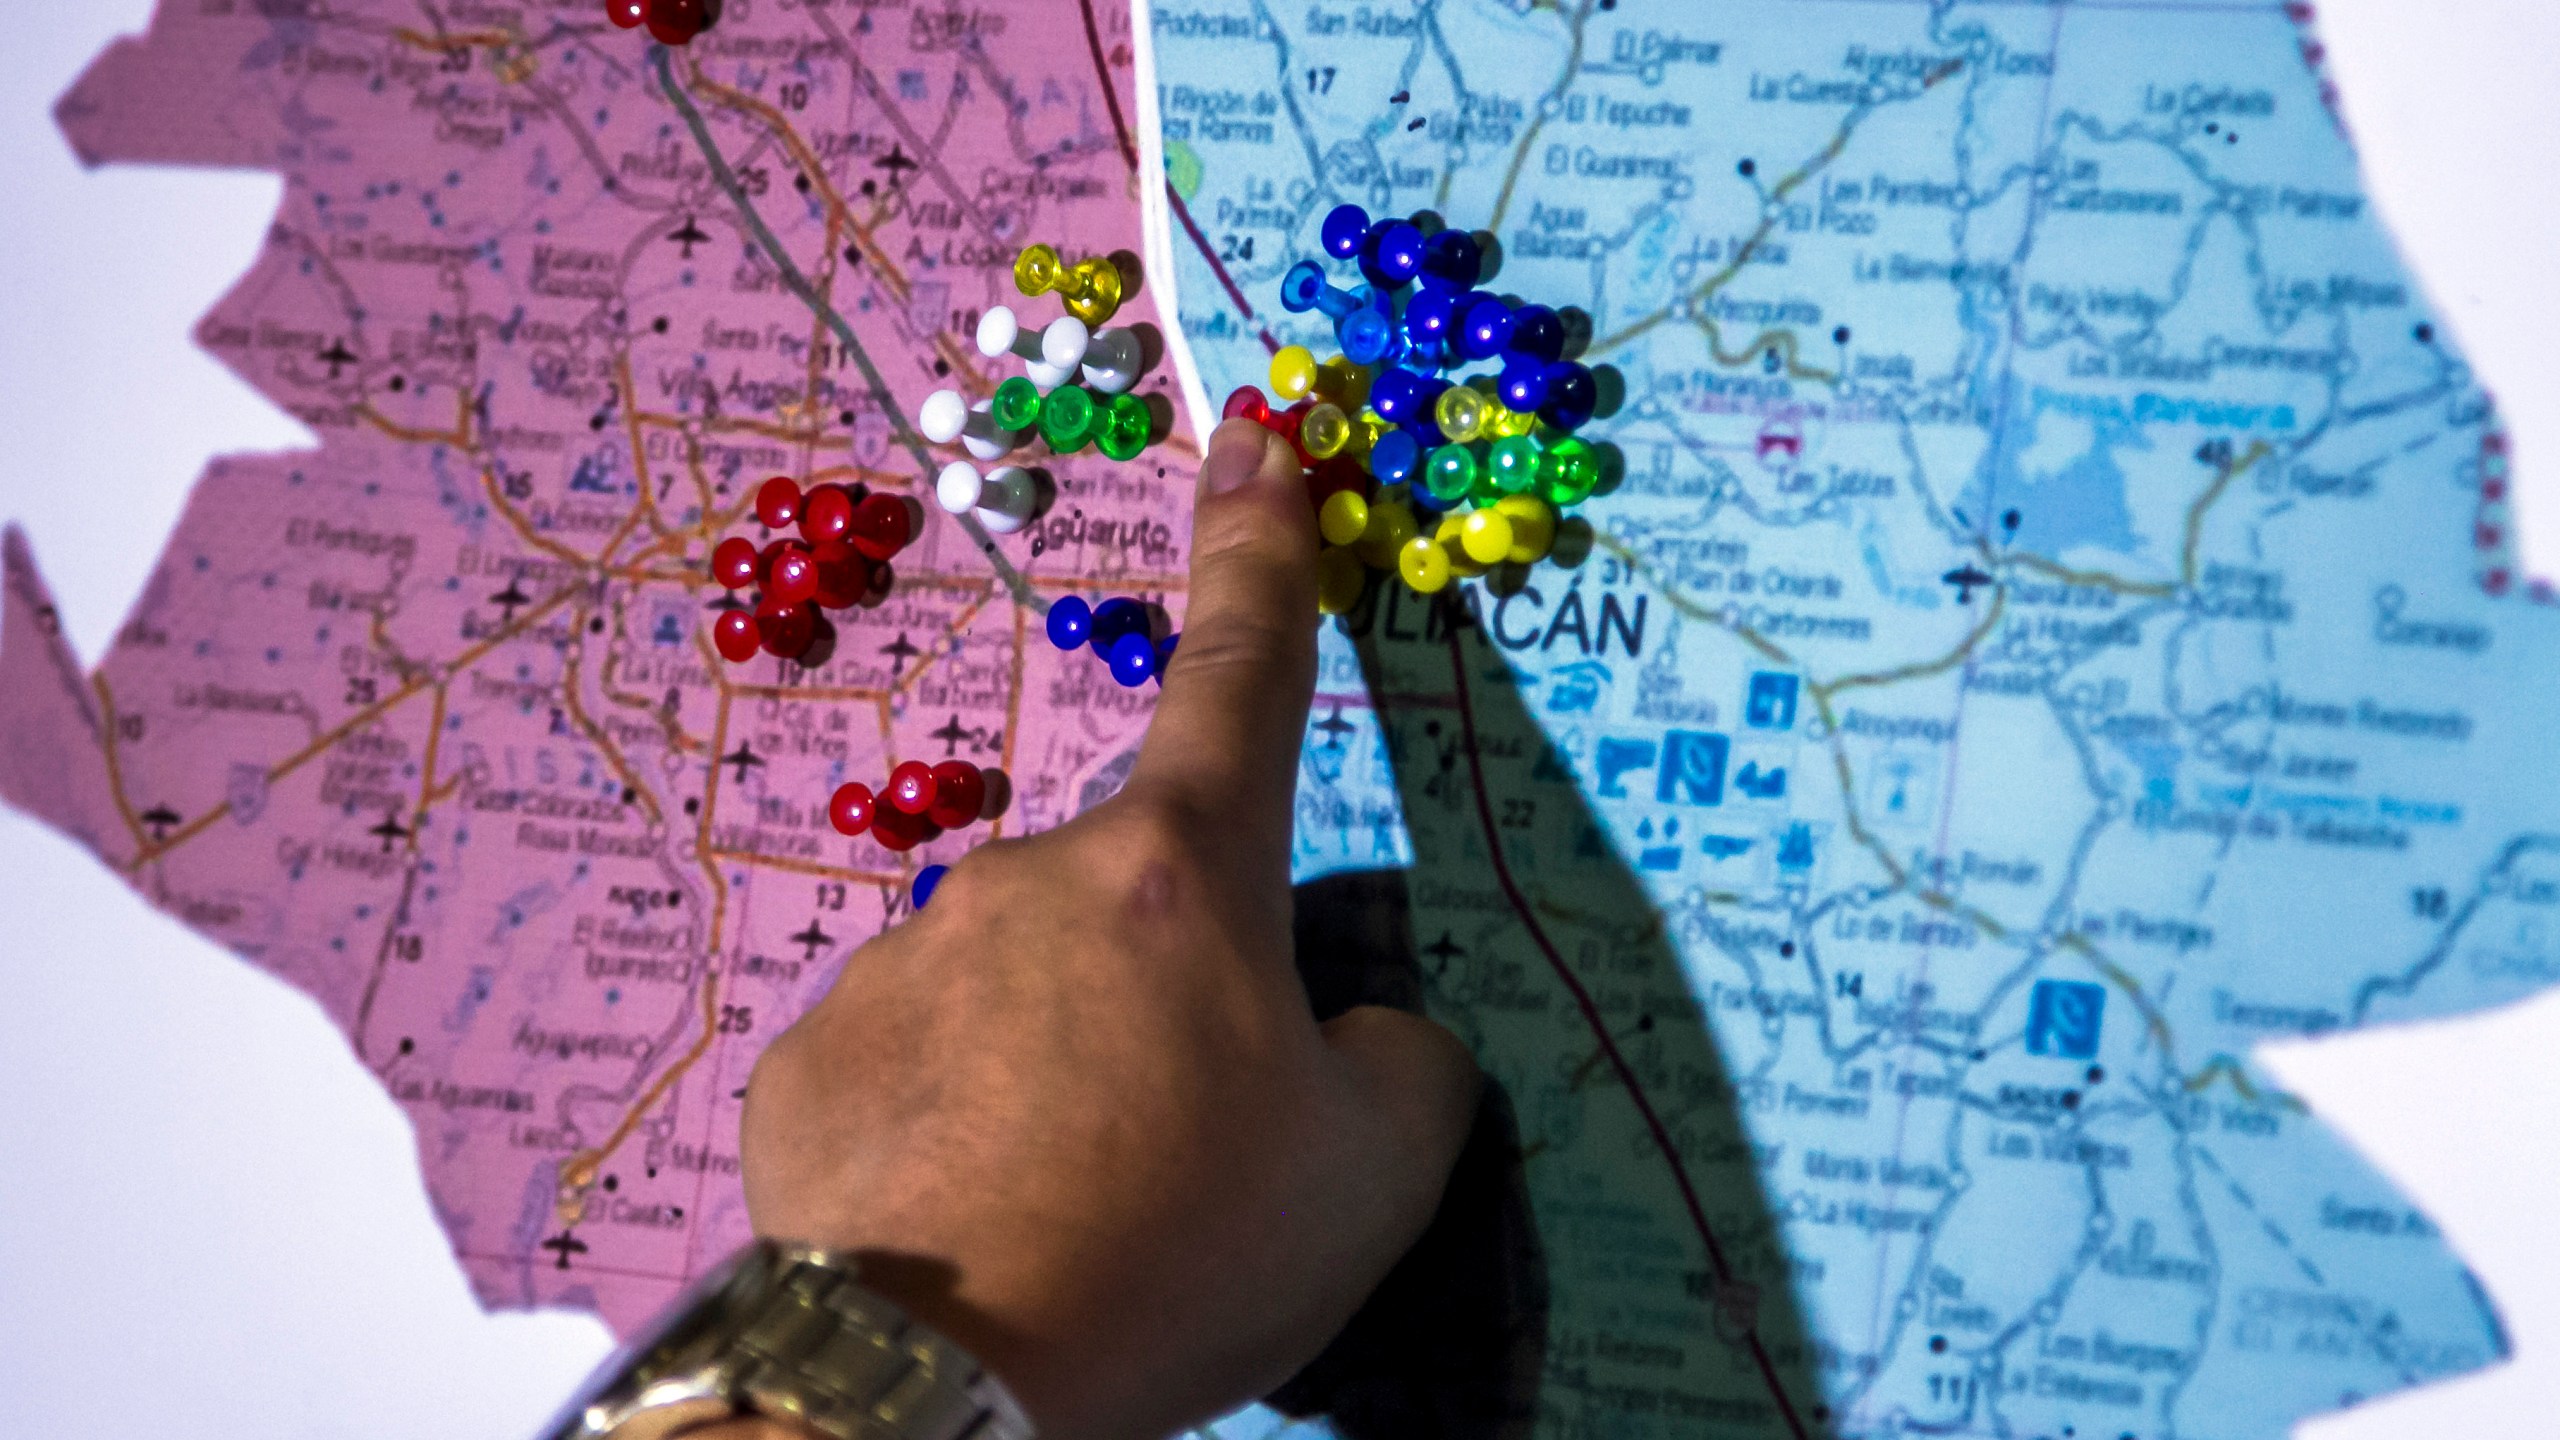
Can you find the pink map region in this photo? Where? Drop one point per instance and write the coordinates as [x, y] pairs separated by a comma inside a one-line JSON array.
[[425, 721]]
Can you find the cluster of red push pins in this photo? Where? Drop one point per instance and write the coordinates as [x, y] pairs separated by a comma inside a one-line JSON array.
[[847, 537], [670, 22], [921, 802]]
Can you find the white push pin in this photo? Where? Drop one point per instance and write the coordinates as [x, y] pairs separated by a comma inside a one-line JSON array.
[[1003, 499], [1063, 344], [1113, 362], [946, 417], [1000, 333]]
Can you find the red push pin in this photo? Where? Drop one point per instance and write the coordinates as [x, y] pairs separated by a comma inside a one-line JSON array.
[[1246, 403], [843, 577], [628, 14], [787, 630], [913, 788], [826, 513], [793, 576], [852, 809], [676, 22], [882, 526], [736, 636], [895, 829], [735, 563], [960, 794], [778, 503]]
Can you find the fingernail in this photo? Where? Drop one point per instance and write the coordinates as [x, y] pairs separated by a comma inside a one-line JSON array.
[[1235, 456]]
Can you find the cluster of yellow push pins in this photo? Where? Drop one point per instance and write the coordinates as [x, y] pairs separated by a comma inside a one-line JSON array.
[[1433, 477]]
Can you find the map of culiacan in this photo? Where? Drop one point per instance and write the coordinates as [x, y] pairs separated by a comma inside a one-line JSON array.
[[2050, 626]]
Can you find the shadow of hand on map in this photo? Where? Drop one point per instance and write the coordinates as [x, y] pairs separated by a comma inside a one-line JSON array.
[[1605, 1260]]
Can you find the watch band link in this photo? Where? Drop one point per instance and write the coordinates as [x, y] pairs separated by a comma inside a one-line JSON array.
[[852, 1366]]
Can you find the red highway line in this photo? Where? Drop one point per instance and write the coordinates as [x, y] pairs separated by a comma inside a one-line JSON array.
[[1600, 1030], [1129, 151]]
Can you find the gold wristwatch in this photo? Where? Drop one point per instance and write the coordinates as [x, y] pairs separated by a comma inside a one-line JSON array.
[[784, 1331]]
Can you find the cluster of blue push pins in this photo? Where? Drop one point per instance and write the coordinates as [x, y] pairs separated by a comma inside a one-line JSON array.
[[1120, 630], [1419, 315]]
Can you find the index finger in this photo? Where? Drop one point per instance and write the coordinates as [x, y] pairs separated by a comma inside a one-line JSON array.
[[1227, 731]]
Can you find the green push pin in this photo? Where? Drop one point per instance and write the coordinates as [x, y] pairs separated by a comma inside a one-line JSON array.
[[1017, 404], [1513, 465], [1568, 472], [1126, 427], [1448, 472], [1068, 419]]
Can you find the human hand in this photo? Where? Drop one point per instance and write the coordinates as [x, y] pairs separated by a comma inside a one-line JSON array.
[[1077, 1114]]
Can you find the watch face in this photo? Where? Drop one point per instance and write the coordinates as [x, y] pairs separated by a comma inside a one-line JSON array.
[[657, 1353]]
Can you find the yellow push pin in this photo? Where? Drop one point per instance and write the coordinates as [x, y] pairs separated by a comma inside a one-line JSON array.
[[1340, 579], [1391, 528], [1324, 431], [1460, 413], [1451, 538], [1344, 382], [1486, 537], [1090, 288], [1293, 372], [1533, 527], [1344, 518], [1424, 566]]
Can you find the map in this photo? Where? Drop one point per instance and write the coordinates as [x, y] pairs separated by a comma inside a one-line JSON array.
[[2051, 625]]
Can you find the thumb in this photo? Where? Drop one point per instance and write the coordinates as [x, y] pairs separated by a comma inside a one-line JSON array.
[[1227, 731], [1420, 1085]]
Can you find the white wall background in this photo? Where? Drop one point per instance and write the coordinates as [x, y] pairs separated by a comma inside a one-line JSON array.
[[210, 1217]]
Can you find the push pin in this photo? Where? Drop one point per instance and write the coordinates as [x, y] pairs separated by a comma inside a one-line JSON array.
[[1110, 360], [1572, 395], [1391, 254], [1536, 330], [778, 502], [945, 417], [735, 564], [734, 636], [1127, 425], [928, 880], [1000, 333], [959, 795], [1003, 499], [1452, 261], [1484, 327], [1345, 226], [1090, 289], [1360, 321]]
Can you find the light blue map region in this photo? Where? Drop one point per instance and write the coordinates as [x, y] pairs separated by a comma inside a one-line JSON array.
[[2051, 632]]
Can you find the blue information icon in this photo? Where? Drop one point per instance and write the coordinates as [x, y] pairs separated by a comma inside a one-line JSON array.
[[2063, 1018], [1772, 702], [1692, 768]]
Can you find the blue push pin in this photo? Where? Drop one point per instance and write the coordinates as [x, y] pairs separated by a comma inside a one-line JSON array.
[[927, 879], [1535, 330], [1396, 395], [1344, 227], [1396, 458], [1452, 260], [1133, 659], [1391, 254], [1304, 288], [1368, 336], [1523, 385], [1431, 321], [1484, 326], [1114, 618], [1571, 395], [1070, 622], [1164, 655]]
